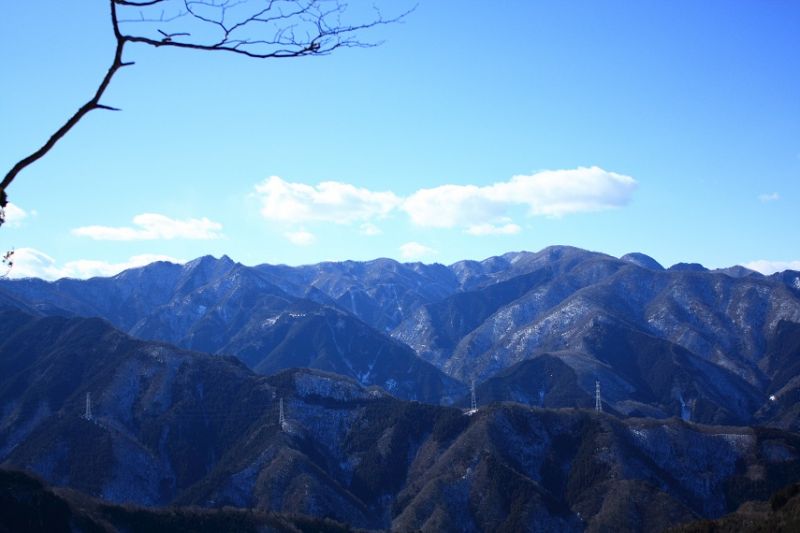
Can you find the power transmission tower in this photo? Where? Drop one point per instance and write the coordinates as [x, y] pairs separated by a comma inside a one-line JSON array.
[[281, 417], [87, 415], [474, 403], [598, 404]]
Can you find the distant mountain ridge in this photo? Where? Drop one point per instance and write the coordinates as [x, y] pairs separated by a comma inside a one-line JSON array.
[[219, 306], [709, 330]]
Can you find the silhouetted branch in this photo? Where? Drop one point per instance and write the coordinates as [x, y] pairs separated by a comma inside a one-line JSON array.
[[93, 103], [139, 4], [262, 29], [8, 263]]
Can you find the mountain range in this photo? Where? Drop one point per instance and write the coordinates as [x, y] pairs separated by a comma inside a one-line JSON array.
[[186, 367], [424, 332]]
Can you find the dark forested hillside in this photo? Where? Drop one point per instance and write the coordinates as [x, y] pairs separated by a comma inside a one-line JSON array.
[[174, 427], [28, 504]]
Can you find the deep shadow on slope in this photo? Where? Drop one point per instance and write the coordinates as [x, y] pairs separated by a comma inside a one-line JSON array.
[[781, 514], [28, 504]]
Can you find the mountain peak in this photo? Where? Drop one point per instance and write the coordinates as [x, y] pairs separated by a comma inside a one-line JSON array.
[[209, 266], [207, 260], [739, 271], [642, 260], [687, 267]]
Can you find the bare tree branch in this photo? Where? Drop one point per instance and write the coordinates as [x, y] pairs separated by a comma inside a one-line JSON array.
[[262, 29], [7, 260], [93, 103], [139, 4], [268, 29]]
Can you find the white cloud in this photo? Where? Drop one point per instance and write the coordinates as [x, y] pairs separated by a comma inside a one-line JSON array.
[[330, 201], [479, 210], [449, 206], [492, 229], [770, 267], [300, 238], [552, 193], [563, 192], [151, 226], [415, 250], [369, 229], [32, 263], [15, 215], [769, 197]]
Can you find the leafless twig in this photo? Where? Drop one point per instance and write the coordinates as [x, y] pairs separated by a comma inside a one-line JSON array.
[[262, 29], [8, 262]]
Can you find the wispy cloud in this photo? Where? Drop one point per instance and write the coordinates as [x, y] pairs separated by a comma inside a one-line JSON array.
[[300, 238], [15, 215], [477, 210], [770, 267], [32, 263], [494, 229], [369, 229], [769, 197], [153, 226], [330, 201], [413, 251]]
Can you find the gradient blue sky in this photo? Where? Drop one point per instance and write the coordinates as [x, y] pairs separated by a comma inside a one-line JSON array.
[[669, 128]]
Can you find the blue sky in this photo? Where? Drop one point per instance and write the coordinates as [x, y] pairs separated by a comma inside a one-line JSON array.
[[477, 128]]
